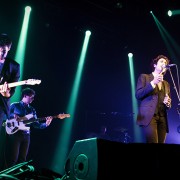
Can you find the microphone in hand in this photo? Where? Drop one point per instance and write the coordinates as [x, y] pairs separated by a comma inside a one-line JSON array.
[[167, 100]]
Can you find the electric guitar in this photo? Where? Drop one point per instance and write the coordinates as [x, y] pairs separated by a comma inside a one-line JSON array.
[[14, 125], [25, 82]]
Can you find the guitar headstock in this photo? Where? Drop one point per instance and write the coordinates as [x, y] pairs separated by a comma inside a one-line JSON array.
[[62, 116], [32, 81]]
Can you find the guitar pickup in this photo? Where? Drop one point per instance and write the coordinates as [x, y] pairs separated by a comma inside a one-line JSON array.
[[13, 130]]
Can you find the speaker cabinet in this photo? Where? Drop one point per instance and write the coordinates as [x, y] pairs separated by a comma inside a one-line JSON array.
[[99, 159]]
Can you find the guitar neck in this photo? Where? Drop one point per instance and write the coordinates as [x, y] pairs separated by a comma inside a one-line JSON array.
[[41, 119], [33, 120], [37, 119], [19, 83]]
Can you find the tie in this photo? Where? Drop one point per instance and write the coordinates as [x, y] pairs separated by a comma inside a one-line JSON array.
[[159, 85]]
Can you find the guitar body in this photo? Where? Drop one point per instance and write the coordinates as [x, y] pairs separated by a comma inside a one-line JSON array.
[[12, 126]]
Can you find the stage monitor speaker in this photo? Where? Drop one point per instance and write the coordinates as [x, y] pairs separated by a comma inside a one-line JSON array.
[[98, 159]]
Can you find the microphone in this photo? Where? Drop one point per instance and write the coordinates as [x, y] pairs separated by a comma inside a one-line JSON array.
[[169, 65]]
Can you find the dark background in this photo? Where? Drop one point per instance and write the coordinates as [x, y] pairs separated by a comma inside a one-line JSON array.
[[55, 36]]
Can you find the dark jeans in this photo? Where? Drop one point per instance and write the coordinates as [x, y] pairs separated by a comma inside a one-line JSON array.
[[156, 131], [17, 146]]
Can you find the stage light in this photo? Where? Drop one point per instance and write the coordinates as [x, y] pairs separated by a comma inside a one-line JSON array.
[[88, 33], [173, 12], [130, 55], [27, 8], [169, 13], [21, 49]]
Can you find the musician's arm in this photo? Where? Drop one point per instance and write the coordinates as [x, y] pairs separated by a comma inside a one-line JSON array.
[[15, 76]]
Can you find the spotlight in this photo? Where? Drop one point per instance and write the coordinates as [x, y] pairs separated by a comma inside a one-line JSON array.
[[130, 55], [88, 32], [169, 13], [28, 8]]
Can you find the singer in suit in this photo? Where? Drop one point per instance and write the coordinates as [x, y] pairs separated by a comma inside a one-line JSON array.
[[153, 95]]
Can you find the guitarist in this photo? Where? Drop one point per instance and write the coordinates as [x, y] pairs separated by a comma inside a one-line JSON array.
[[9, 72], [18, 143]]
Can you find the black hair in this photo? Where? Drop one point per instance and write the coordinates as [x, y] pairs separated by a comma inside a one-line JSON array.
[[27, 92], [5, 40], [156, 59]]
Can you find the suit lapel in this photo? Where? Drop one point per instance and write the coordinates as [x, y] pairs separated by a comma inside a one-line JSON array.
[[150, 77]]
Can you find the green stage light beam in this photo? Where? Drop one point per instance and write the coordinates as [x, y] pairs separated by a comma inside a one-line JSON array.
[[173, 12], [171, 45], [20, 52], [137, 133], [62, 148]]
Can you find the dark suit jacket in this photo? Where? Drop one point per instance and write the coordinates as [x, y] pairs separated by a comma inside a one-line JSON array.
[[148, 99], [10, 73]]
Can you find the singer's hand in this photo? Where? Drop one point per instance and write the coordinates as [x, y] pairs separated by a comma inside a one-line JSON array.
[[167, 101], [157, 79]]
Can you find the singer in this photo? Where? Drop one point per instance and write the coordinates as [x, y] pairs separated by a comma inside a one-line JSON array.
[[153, 95]]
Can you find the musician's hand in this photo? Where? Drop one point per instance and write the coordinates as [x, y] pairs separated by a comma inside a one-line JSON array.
[[48, 120], [29, 116], [17, 117], [5, 90]]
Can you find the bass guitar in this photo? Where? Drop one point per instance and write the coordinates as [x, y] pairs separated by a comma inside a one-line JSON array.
[[14, 125]]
